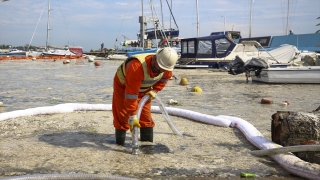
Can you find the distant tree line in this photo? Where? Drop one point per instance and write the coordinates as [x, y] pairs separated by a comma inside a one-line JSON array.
[[24, 48]]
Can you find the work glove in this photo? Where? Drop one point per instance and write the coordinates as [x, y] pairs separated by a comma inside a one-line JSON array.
[[152, 94], [133, 121]]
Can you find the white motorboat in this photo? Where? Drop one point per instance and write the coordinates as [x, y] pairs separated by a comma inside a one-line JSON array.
[[288, 74], [13, 53], [279, 67]]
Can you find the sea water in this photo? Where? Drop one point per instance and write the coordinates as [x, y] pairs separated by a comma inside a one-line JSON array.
[[30, 84]]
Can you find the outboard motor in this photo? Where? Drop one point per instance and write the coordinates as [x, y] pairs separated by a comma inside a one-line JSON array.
[[238, 66], [256, 64], [235, 67]]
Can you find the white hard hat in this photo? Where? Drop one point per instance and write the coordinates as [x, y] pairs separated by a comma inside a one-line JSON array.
[[167, 58]]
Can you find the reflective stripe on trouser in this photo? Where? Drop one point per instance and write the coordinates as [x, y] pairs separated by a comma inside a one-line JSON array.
[[120, 115]]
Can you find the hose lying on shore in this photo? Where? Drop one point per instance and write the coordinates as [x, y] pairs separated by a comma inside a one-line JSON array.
[[73, 176], [298, 148], [288, 161]]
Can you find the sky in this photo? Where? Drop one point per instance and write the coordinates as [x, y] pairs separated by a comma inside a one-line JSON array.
[[88, 23]]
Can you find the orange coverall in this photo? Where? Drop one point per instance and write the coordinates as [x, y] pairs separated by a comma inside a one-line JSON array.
[[122, 107]]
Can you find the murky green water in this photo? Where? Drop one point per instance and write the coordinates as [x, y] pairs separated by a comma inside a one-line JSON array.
[[30, 84]]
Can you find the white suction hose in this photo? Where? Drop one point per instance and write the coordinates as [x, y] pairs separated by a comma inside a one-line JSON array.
[[135, 131], [164, 112]]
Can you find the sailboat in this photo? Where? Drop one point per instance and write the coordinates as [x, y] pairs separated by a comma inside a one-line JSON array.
[[158, 32], [55, 51]]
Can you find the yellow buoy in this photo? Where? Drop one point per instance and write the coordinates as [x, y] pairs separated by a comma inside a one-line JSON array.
[[184, 81], [196, 89]]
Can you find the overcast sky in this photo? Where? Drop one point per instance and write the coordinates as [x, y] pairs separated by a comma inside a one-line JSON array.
[[88, 23]]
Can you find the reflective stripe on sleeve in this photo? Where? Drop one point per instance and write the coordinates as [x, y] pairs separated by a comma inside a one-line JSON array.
[[164, 80], [131, 96]]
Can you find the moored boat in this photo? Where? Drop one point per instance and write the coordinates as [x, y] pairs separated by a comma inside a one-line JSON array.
[[13, 53], [281, 67]]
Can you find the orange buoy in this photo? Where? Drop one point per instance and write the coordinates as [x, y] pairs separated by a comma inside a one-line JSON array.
[[97, 63], [266, 101]]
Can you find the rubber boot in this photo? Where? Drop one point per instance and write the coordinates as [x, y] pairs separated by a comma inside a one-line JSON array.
[[146, 134], [120, 137]]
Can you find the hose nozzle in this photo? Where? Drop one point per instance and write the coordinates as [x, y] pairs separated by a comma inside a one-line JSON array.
[[135, 141]]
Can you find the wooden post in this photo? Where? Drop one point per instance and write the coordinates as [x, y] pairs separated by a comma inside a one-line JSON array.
[[297, 128]]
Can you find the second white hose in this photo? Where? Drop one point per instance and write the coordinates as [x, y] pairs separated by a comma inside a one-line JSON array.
[[164, 112]]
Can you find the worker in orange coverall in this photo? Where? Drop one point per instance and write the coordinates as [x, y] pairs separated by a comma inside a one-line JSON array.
[[137, 76]]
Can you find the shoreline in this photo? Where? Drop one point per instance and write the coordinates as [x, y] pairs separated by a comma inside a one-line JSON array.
[[84, 142]]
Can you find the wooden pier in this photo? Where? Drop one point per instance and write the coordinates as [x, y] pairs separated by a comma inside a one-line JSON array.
[[98, 53]]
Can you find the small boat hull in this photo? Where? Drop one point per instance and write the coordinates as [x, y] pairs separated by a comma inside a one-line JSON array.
[[117, 57], [15, 54], [198, 63], [293, 75]]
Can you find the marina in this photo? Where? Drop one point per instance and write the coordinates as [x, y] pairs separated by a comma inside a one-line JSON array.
[[56, 101]]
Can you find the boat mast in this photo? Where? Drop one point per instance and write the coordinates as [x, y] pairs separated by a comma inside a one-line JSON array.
[[162, 14], [170, 16], [287, 17], [198, 27], [48, 25], [142, 27], [250, 19]]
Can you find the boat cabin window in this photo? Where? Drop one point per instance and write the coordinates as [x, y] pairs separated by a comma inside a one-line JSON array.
[[184, 47], [205, 47], [191, 47], [222, 45]]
